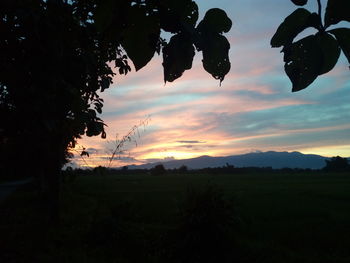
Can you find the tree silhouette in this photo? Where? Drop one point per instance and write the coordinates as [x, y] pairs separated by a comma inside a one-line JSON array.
[[317, 54], [57, 55], [337, 164], [159, 169]]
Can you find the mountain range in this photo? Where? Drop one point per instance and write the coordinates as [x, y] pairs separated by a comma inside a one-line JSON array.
[[276, 160]]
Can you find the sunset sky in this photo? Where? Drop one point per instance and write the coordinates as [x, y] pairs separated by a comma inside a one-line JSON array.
[[253, 110]]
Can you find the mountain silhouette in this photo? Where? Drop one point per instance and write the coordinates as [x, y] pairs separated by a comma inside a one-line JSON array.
[[276, 160]]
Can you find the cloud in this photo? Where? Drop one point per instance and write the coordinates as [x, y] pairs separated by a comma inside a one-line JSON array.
[[156, 160], [190, 142], [92, 150]]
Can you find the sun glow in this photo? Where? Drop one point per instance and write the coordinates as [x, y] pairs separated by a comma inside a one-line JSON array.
[[170, 154], [329, 151]]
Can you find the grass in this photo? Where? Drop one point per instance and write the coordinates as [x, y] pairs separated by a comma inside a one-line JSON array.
[[128, 218]]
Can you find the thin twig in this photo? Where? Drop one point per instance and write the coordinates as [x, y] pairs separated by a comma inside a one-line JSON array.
[[81, 157], [127, 138]]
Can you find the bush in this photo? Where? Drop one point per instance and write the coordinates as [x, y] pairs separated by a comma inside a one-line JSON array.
[[158, 170], [100, 171], [337, 164], [183, 169]]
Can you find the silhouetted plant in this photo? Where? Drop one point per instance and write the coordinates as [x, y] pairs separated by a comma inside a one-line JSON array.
[[337, 164], [157, 170], [208, 222], [183, 169], [130, 136], [317, 54], [100, 171], [118, 146]]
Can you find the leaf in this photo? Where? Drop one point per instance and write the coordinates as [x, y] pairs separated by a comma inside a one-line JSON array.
[[177, 56], [214, 46], [299, 2], [215, 21], [98, 108], [330, 52], [215, 56], [303, 62], [103, 135], [84, 153], [177, 16], [343, 37], [105, 82], [140, 37], [94, 128], [294, 24], [336, 11]]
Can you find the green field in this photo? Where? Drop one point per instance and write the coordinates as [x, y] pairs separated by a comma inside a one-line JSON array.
[[131, 218]]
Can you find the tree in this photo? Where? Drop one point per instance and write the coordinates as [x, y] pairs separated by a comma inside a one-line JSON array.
[[183, 169], [317, 54], [57, 55], [157, 170], [337, 164]]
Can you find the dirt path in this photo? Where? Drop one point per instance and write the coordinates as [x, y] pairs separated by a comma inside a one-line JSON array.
[[7, 188]]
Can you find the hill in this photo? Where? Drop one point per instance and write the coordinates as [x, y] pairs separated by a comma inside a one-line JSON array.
[[276, 160]]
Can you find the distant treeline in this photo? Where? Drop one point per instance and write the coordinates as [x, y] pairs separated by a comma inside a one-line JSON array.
[[334, 164]]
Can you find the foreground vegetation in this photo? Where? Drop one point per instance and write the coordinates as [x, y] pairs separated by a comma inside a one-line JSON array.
[[251, 217]]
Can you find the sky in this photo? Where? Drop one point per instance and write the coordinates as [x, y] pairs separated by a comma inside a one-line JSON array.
[[253, 109]]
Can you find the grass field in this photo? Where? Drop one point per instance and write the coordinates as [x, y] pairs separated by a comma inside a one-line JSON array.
[[131, 218]]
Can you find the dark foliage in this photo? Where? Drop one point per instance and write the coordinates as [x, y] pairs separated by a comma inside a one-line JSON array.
[[337, 164], [158, 170], [183, 169], [100, 170], [316, 54]]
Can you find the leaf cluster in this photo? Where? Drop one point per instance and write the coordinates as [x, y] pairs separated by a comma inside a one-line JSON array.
[[316, 54], [137, 27]]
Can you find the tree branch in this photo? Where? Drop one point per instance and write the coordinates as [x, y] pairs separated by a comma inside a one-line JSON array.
[[119, 144]]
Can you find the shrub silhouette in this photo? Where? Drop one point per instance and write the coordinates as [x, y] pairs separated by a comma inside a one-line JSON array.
[[207, 227], [158, 170], [100, 170], [183, 168], [337, 164]]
